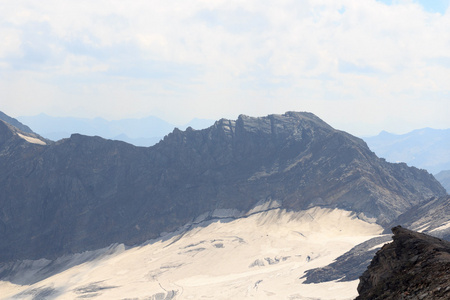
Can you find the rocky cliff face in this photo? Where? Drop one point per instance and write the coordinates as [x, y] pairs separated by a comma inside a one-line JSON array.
[[84, 192], [413, 266]]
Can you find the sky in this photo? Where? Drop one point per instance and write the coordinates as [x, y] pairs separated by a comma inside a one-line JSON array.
[[363, 66]]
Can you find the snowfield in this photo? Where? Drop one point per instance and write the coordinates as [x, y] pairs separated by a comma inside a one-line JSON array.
[[262, 256], [32, 140]]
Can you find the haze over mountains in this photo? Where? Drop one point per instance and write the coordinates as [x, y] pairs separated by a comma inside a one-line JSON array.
[[140, 132], [250, 204], [444, 179], [425, 148]]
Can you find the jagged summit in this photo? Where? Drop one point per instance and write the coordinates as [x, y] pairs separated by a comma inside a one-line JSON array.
[[84, 192], [274, 125], [275, 138]]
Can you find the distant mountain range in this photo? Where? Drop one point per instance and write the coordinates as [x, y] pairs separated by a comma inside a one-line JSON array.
[[139, 132], [423, 148]]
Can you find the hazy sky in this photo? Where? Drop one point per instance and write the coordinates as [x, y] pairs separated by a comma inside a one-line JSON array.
[[361, 65]]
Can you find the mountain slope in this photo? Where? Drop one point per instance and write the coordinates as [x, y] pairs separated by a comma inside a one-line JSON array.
[[85, 193], [444, 179], [15, 123]]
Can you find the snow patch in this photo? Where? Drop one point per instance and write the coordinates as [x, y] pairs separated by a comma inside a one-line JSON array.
[[423, 227], [442, 227], [258, 256], [32, 140]]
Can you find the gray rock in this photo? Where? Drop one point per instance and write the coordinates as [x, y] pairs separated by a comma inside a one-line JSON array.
[[413, 266], [85, 193]]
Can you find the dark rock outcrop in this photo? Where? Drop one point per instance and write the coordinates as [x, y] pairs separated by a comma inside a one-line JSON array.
[[413, 266], [85, 193]]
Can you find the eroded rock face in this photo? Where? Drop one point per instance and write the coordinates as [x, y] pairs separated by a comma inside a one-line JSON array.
[[85, 193], [413, 266]]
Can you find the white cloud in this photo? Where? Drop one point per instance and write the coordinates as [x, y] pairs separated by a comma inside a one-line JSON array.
[[350, 62]]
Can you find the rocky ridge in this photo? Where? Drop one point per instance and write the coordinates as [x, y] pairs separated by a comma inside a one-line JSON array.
[[413, 266], [85, 193], [14, 122]]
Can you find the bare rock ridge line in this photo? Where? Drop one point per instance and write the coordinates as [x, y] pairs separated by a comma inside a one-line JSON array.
[[14, 122], [413, 266], [432, 217], [85, 193]]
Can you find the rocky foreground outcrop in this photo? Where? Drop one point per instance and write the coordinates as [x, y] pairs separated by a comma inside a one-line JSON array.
[[413, 266]]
